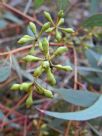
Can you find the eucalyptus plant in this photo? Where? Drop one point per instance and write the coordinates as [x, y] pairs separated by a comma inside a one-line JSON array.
[[55, 31]]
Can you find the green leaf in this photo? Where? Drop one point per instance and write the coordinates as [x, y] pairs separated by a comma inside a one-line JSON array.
[[78, 97], [2, 24], [89, 69], [17, 67], [94, 80], [38, 3], [94, 5], [63, 4], [11, 17], [92, 112], [2, 117], [95, 20], [5, 72], [92, 57]]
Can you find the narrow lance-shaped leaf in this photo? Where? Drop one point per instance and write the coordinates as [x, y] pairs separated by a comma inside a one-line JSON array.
[[78, 97], [92, 112], [95, 20]]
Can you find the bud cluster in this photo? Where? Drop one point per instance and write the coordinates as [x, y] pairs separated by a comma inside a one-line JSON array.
[[46, 65]]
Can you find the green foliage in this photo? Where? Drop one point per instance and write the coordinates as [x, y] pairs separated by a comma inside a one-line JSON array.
[[94, 5], [62, 4], [95, 20], [92, 112], [53, 31], [5, 71], [38, 3], [45, 63]]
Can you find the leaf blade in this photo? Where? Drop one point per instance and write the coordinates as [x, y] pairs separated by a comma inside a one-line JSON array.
[[92, 112]]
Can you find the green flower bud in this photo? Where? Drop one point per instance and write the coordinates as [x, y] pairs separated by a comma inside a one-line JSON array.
[[60, 51], [25, 39], [60, 13], [58, 36], [48, 93], [25, 86], [61, 21], [32, 26], [40, 46], [65, 68], [49, 30], [38, 71], [42, 91], [45, 45], [30, 58], [29, 100], [48, 16], [39, 89], [45, 26], [68, 30], [50, 77], [45, 64], [15, 87]]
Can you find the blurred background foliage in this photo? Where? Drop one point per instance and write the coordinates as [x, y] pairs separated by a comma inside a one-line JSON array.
[[86, 19]]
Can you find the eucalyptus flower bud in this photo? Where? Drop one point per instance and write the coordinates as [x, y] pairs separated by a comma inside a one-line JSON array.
[[61, 21], [45, 26], [40, 45], [58, 35], [25, 39], [25, 86], [60, 13], [49, 29], [68, 30], [30, 58], [65, 68], [48, 16], [45, 45], [15, 87], [38, 71], [60, 51], [48, 93], [32, 26], [29, 100], [42, 91], [50, 77], [45, 64]]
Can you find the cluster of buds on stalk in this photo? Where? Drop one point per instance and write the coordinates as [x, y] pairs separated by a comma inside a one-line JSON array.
[[46, 62]]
